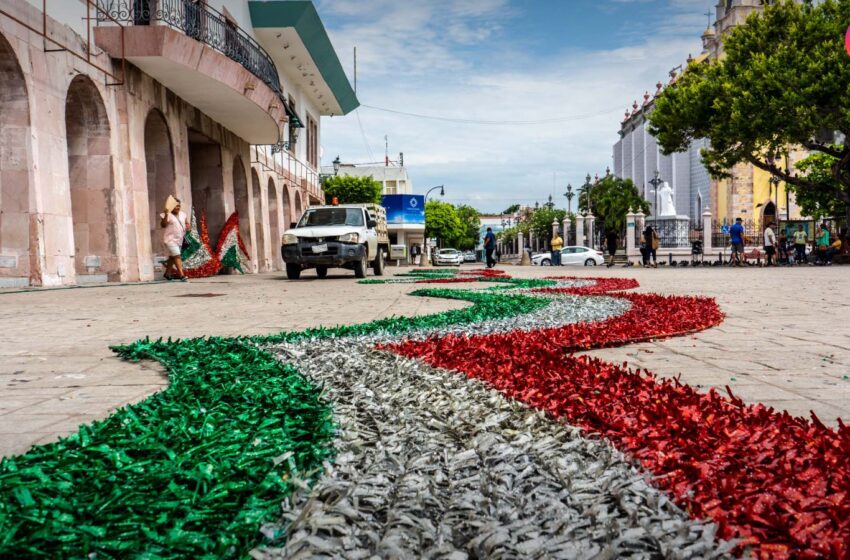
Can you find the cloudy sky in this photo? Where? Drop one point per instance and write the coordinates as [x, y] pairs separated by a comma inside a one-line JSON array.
[[522, 96]]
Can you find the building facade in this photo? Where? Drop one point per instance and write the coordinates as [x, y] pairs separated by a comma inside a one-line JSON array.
[[109, 106], [748, 194]]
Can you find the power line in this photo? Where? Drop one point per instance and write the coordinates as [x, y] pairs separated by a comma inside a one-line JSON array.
[[363, 134], [492, 122]]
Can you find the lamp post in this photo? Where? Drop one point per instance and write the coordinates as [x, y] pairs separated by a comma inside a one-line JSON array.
[[427, 262], [325, 176], [655, 181], [550, 204], [587, 186]]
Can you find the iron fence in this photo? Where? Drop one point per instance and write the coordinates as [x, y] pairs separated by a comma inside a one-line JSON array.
[[203, 24], [673, 234], [720, 237]]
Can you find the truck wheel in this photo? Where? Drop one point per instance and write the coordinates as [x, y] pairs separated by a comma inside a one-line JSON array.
[[322, 271], [362, 265], [378, 265], [293, 271]]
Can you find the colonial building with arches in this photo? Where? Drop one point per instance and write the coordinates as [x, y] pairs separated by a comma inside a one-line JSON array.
[[109, 106]]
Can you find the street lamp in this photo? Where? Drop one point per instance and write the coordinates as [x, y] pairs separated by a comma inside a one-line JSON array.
[[587, 187], [569, 194], [336, 165], [428, 245], [550, 204], [655, 181]]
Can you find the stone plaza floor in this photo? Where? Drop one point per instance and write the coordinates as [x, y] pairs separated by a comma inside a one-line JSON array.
[[785, 341]]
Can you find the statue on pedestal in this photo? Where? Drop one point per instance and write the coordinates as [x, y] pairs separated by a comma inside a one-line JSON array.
[[667, 207]]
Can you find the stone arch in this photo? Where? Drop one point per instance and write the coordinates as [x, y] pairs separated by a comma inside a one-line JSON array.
[[159, 164], [768, 214], [18, 262], [298, 207], [87, 133], [276, 226], [287, 208], [240, 196], [257, 193]]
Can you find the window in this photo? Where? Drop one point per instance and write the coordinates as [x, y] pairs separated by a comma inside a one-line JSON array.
[[332, 217], [312, 141], [293, 131]]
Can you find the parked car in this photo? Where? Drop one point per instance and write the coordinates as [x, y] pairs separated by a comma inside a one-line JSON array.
[[469, 256], [574, 254], [448, 257]]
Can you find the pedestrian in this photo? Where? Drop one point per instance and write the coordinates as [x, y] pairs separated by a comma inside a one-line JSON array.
[[783, 248], [175, 224], [651, 242], [612, 238], [557, 245], [489, 247], [736, 236], [415, 251], [769, 243], [801, 239], [821, 243]]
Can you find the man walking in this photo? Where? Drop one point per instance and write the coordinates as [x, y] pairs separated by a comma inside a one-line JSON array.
[[611, 240], [800, 241], [736, 235], [489, 247], [769, 243], [557, 245]]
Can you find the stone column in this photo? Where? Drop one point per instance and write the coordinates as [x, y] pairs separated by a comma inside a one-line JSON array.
[[631, 225], [567, 226], [589, 221], [579, 229], [555, 227], [524, 259], [706, 232]]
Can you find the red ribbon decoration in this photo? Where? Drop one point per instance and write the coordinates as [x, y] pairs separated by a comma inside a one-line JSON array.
[[779, 484]]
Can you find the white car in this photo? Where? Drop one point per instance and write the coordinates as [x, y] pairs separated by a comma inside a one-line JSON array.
[[448, 257], [574, 254]]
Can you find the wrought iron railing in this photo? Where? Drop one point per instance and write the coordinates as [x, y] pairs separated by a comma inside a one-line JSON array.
[[202, 23]]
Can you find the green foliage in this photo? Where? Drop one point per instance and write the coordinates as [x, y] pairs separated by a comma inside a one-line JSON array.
[[470, 219], [352, 190], [611, 198], [784, 80], [541, 221], [510, 210], [817, 168], [442, 221]]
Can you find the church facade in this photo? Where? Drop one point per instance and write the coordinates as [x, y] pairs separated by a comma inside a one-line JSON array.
[[748, 194]]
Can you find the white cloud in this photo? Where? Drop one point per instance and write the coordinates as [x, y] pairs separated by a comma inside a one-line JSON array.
[[425, 57]]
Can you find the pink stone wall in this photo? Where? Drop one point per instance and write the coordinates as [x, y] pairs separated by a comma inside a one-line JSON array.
[[85, 167]]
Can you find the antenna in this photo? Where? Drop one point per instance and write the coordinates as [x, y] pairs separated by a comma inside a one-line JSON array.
[[386, 151], [355, 70]]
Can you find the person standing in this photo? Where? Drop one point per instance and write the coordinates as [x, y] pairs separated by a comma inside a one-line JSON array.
[[557, 245], [801, 239], [736, 236], [612, 238], [175, 224], [489, 247], [650, 238], [415, 251], [822, 242], [769, 243]]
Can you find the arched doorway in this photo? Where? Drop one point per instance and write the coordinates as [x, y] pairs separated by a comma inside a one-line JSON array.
[[298, 209], [240, 196], [159, 163], [17, 265], [768, 214], [207, 180], [90, 171], [287, 209], [275, 219], [259, 246]]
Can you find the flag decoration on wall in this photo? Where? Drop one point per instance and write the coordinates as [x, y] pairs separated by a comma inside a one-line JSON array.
[[199, 258]]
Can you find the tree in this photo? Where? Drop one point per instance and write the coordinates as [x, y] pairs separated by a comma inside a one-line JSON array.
[[510, 210], [819, 204], [611, 198], [442, 222], [784, 81], [541, 221], [470, 219], [352, 190]]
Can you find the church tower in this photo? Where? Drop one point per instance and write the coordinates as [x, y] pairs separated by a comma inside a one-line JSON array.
[[730, 13]]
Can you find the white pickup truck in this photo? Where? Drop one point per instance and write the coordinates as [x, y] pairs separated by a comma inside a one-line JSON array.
[[350, 236]]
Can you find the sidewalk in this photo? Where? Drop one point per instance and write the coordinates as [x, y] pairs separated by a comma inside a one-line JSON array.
[[785, 341], [56, 369]]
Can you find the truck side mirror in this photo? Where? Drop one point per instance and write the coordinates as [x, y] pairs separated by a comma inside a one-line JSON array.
[[371, 224], [292, 225]]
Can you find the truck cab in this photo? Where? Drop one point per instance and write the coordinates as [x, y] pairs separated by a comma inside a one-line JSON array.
[[352, 236]]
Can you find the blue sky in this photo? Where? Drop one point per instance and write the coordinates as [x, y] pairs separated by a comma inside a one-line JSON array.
[[575, 64]]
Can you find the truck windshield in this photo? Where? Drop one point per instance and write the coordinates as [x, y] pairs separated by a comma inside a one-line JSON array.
[[332, 217]]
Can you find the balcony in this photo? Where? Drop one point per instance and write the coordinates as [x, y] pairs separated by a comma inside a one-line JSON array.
[[197, 53]]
